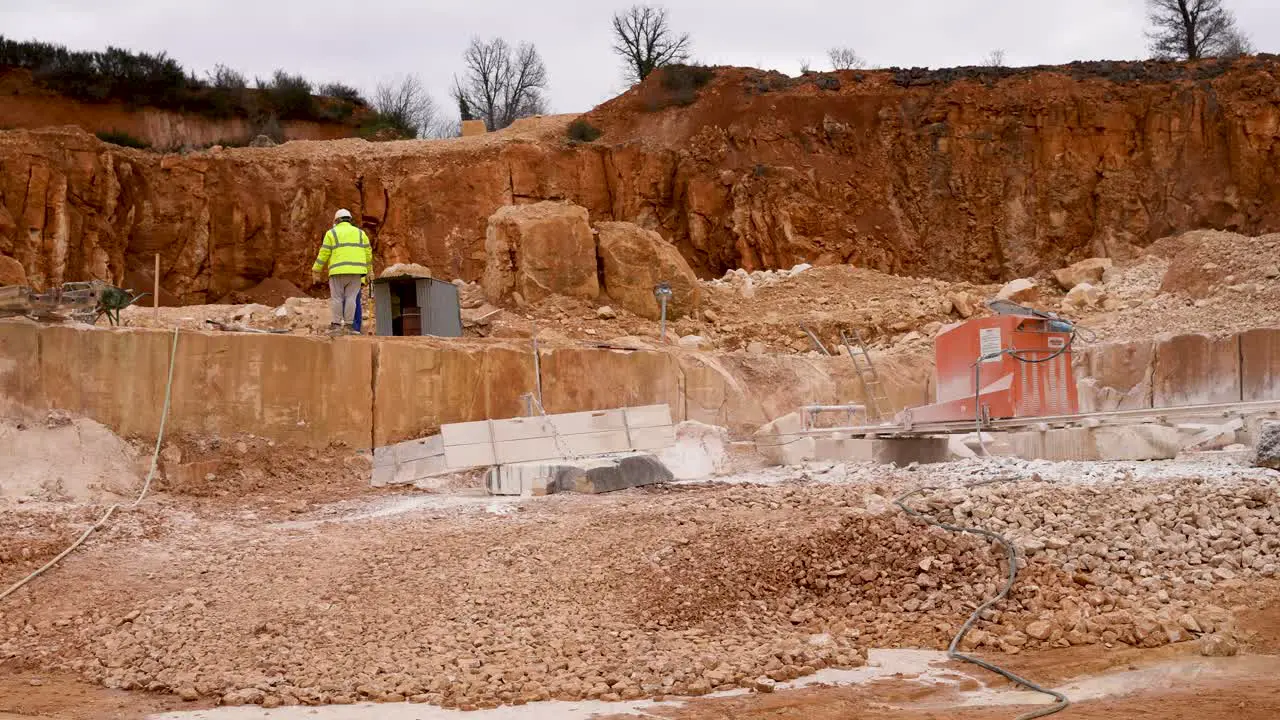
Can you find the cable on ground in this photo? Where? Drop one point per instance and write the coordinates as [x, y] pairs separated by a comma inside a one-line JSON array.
[[1011, 558], [155, 456]]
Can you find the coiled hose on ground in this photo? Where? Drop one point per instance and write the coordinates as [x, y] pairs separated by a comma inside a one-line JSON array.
[[146, 486], [1011, 558]]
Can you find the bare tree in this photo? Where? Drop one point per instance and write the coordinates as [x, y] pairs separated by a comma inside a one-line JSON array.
[[995, 59], [645, 42], [843, 58], [501, 85], [406, 106], [1193, 29], [806, 67], [1236, 44]]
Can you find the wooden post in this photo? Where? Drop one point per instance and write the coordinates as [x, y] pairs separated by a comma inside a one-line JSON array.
[[155, 296]]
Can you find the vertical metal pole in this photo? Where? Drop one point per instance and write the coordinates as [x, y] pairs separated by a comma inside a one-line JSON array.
[[155, 296], [537, 369], [663, 299]]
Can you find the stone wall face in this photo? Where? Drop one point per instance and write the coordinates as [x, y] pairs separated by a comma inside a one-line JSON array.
[[365, 392], [981, 175], [1181, 370]]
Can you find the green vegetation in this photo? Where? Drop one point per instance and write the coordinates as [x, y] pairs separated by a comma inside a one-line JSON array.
[[679, 85], [118, 137], [582, 131], [144, 79]]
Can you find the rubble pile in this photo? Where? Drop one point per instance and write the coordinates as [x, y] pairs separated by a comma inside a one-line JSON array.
[[678, 590]]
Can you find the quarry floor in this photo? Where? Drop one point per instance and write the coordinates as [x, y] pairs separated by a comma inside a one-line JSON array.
[[236, 584]]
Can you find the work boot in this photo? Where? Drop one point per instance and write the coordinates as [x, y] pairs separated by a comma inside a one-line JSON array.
[[335, 329]]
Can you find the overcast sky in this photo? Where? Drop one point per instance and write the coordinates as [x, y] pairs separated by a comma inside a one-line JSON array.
[[361, 42]]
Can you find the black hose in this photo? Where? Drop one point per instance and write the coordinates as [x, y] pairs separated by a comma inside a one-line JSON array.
[[1011, 558]]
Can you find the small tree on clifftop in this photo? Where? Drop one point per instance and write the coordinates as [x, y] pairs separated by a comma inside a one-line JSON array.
[[844, 58], [645, 42], [1194, 29], [501, 84], [406, 106]]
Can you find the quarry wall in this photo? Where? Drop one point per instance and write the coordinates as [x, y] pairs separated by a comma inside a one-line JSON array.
[[966, 174], [366, 392]]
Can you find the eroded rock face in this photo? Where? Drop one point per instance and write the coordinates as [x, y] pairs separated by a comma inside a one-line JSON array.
[[11, 272], [635, 260], [989, 177], [540, 250]]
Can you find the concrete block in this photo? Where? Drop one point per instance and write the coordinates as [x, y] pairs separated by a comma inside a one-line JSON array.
[[588, 475], [1197, 370]]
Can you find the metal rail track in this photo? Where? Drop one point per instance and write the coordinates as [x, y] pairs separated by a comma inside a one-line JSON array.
[[1096, 419]]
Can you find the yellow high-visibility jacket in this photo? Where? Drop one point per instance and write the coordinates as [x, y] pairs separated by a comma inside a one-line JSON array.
[[346, 250]]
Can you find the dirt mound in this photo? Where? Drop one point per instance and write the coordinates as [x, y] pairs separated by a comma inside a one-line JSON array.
[[236, 469], [272, 291], [66, 459], [1205, 262]]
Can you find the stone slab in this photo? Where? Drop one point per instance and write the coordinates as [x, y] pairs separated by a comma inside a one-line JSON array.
[[1196, 370], [477, 444], [588, 475], [898, 451], [1116, 376], [1260, 365], [1118, 442]]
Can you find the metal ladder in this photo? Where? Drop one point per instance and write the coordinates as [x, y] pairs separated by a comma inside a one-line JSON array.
[[877, 401]]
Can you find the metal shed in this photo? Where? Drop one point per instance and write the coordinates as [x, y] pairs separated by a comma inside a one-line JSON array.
[[409, 305]]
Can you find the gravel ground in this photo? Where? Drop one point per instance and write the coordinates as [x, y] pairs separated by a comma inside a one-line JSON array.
[[677, 590]]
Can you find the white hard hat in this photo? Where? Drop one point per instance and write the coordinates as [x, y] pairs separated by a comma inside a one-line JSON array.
[[343, 214]]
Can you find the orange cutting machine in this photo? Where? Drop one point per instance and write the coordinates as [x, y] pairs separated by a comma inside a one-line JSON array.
[[1021, 359]]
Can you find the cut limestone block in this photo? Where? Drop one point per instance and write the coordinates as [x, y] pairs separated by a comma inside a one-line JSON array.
[[898, 451], [1197, 370], [1137, 442], [528, 439], [1126, 442], [586, 475], [407, 462], [1267, 452], [780, 444], [1260, 364]]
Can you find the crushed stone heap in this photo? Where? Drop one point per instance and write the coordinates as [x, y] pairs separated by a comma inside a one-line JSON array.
[[676, 590]]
